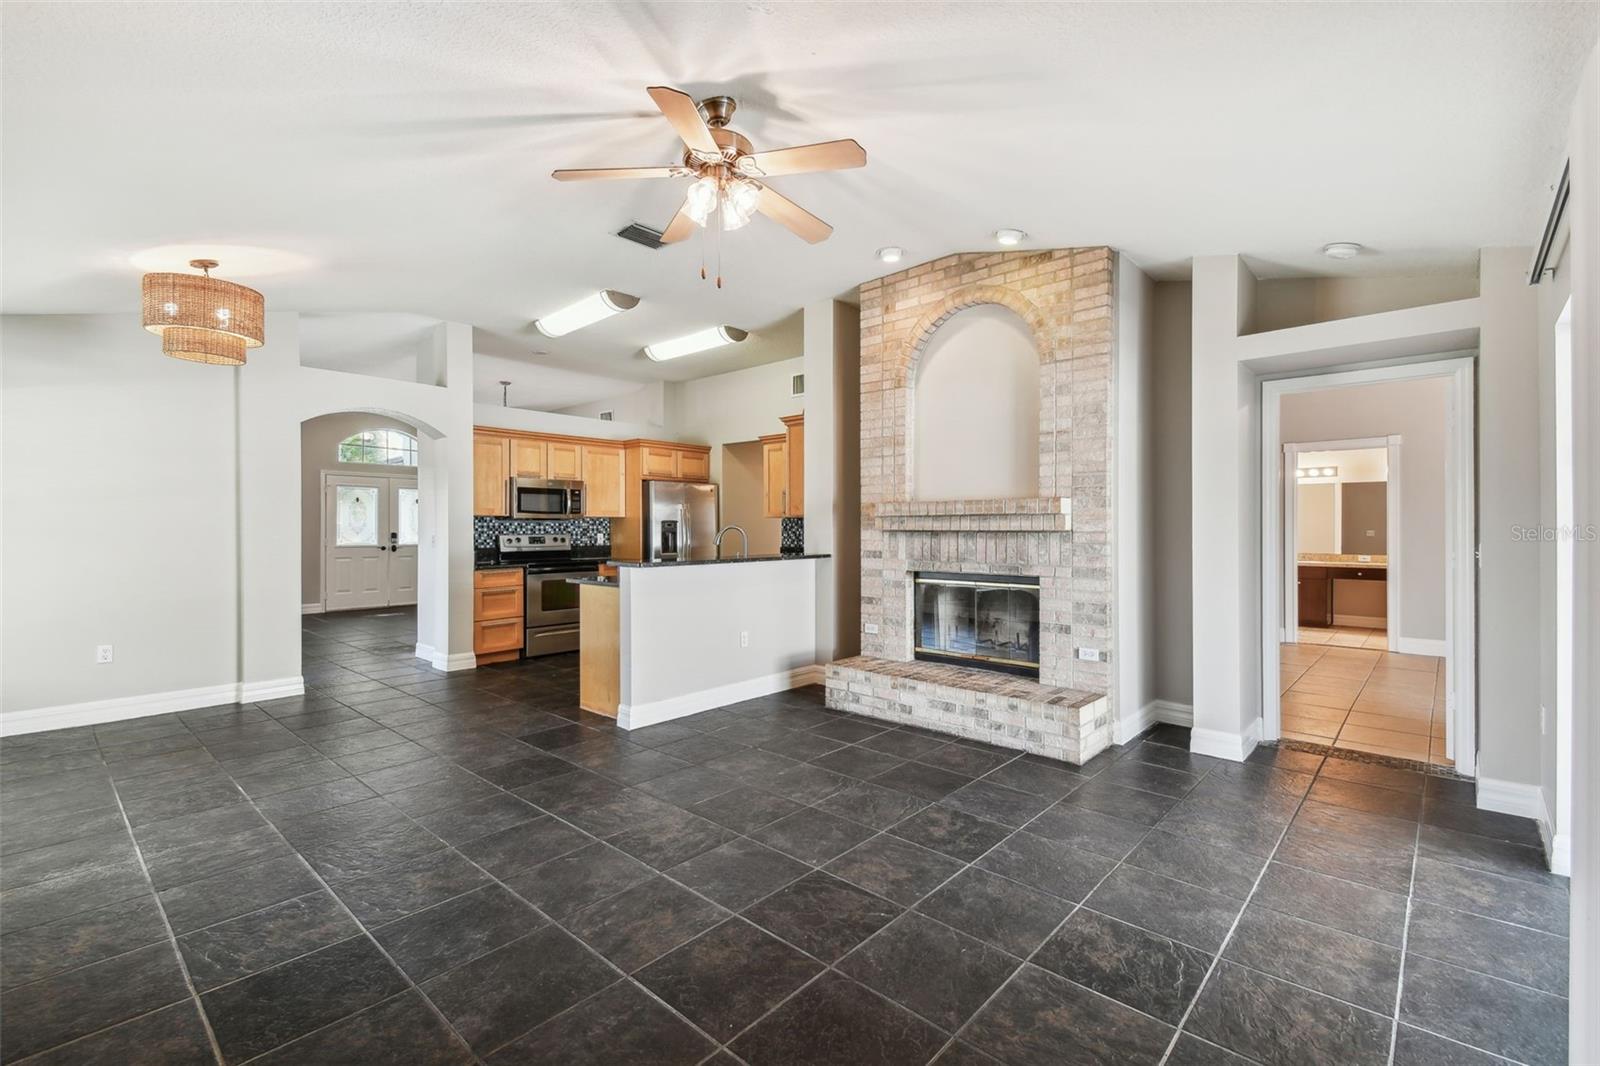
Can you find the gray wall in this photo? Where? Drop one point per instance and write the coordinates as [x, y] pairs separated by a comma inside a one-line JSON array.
[[1363, 510], [1173, 649]]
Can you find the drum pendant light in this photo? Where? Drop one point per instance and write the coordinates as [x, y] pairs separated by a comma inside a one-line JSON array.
[[203, 319]]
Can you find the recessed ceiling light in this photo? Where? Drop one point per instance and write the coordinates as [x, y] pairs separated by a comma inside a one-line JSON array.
[[586, 312], [1010, 237], [715, 337], [1341, 250], [890, 254]]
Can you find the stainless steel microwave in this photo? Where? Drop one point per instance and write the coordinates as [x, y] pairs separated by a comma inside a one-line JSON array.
[[543, 498]]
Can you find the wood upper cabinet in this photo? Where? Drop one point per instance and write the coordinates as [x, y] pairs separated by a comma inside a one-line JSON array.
[[694, 466], [491, 458], [795, 426], [564, 460], [658, 460], [527, 457], [774, 475], [605, 481]]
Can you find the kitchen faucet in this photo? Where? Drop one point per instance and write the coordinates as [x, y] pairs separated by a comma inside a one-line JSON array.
[[744, 551]]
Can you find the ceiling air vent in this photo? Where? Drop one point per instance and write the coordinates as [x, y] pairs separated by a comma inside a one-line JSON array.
[[605, 416], [797, 385], [650, 238]]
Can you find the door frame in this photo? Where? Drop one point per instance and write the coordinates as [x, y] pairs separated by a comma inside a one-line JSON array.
[[1391, 531], [1460, 535], [322, 524]]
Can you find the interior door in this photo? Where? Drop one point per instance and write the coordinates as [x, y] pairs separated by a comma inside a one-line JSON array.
[[404, 513], [355, 536]]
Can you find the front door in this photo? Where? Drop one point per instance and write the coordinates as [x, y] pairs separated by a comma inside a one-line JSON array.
[[370, 541]]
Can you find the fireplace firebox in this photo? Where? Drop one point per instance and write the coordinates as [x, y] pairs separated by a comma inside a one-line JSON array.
[[982, 620]]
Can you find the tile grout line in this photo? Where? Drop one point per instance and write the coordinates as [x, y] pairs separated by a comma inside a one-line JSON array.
[[1405, 939]]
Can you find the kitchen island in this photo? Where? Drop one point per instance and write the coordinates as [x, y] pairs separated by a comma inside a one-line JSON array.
[[665, 639]]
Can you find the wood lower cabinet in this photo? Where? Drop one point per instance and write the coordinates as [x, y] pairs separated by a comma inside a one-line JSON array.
[[491, 487], [498, 621]]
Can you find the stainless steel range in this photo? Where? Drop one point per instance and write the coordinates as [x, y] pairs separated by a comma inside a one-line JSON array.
[[551, 603]]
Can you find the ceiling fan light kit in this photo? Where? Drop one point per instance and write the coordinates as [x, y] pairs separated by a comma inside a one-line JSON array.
[[586, 312], [202, 319], [699, 341], [727, 191]]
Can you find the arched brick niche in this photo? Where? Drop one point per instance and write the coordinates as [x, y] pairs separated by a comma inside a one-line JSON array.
[[1066, 298]]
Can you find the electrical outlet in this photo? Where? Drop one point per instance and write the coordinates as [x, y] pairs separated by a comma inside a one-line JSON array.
[[1089, 655], [744, 638], [871, 628], [102, 653]]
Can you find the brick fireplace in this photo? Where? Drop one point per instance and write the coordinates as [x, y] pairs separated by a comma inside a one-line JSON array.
[[1060, 538]]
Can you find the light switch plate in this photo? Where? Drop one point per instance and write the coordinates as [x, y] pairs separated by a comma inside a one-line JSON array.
[[1089, 655], [871, 628]]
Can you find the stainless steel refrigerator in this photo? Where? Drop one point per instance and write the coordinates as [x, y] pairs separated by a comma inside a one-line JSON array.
[[680, 520]]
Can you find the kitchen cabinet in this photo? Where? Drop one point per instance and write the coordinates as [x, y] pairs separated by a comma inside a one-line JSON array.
[[694, 465], [491, 489], [652, 460], [497, 615], [775, 475], [528, 457], [605, 481], [795, 446], [565, 460], [1315, 596], [658, 461]]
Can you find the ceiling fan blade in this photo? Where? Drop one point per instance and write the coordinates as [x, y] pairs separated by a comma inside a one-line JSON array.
[[614, 173], [684, 114], [798, 220], [829, 155], [680, 227]]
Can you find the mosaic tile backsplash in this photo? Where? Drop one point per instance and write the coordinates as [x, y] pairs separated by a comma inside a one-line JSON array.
[[792, 538], [585, 532]]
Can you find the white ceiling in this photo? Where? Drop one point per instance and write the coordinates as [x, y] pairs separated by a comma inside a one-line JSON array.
[[404, 150]]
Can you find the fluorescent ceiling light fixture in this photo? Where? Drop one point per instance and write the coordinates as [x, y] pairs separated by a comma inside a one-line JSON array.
[[890, 254], [1341, 250], [1010, 237], [715, 337], [586, 312]]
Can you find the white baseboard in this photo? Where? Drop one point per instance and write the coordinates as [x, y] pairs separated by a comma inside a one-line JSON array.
[[311, 608], [1510, 797], [639, 715], [1148, 715], [1421, 646], [461, 660], [1220, 744], [1557, 846], [1364, 621], [121, 708]]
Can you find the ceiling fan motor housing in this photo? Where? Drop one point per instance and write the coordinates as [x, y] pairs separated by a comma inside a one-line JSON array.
[[717, 110]]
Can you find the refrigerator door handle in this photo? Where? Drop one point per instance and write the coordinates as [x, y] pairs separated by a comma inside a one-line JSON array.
[[685, 534]]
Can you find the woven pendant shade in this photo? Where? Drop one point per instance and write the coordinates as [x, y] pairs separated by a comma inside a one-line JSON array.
[[203, 346], [202, 318]]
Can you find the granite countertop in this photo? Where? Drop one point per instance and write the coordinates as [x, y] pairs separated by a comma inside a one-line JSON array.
[[717, 562], [1347, 562]]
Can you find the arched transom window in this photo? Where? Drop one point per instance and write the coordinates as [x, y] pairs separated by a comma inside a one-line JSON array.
[[385, 447]]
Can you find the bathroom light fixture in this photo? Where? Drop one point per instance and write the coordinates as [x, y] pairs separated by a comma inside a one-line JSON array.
[[890, 254], [586, 312], [700, 341], [203, 319], [1010, 237], [1318, 471], [1341, 250]]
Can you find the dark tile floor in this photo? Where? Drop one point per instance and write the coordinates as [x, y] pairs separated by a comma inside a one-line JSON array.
[[403, 866]]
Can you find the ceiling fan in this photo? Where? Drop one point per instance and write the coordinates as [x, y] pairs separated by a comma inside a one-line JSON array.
[[726, 170]]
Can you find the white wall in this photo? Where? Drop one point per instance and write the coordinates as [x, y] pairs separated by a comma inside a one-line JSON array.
[[681, 630], [646, 405], [121, 522], [1283, 302], [319, 446], [975, 410], [832, 362], [498, 417], [1133, 504], [1416, 410], [740, 405]]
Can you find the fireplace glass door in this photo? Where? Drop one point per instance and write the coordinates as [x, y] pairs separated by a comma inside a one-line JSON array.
[[979, 620]]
